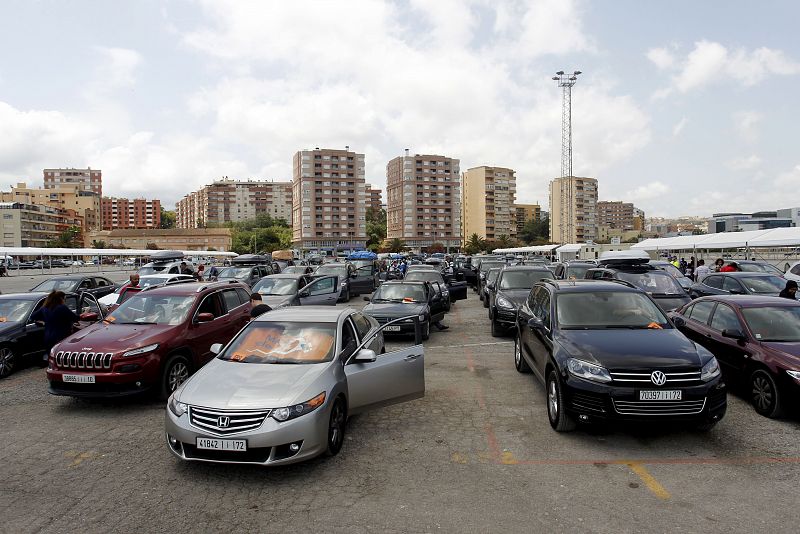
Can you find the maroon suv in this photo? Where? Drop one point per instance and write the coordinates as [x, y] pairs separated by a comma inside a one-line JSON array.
[[153, 341]]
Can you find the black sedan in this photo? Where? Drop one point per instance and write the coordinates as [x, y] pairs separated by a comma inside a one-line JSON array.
[[397, 299], [606, 351], [21, 340], [98, 286], [509, 292], [762, 284], [454, 290]]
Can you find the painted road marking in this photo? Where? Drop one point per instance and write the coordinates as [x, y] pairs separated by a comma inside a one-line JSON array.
[[753, 460], [649, 480], [469, 345]]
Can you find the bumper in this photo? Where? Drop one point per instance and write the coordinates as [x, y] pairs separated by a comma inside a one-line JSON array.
[[505, 318], [266, 445], [589, 402], [127, 376]]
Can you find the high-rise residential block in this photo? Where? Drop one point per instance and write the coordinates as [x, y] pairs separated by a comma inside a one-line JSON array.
[[573, 209], [616, 215], [84, 179], [424, 200], [229, 200], [32, 225], [69, 196], [487, 203], [374, 198], [329, 200], [526, 213], [123, 213]]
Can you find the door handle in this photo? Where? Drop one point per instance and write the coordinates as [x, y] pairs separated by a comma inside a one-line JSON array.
[[412, 357]]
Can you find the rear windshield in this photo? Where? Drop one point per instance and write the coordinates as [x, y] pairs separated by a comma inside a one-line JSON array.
[[759, 268], [283, 342], [577, 271], [276, 286], [339, 269], [238, 273], [656, 282], [399, 293], [486, 265], [522, 279], [424, 276], [608, 309], [56, 285]]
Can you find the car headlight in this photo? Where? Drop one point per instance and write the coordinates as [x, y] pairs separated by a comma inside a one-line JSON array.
[[291, 412], [710, 370], [587, 371], [177, 408], [503, 302], [343, 284], [793, 374], [421, 318], [141, 350]]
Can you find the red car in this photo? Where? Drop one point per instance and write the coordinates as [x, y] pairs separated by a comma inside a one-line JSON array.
[[152, 342], [756, 341]]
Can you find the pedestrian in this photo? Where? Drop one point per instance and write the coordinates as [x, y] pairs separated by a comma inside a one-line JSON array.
[[790, 291], [682, 265], [701, 271], [200, 270], [134, 280], [213, 272], [57, 318], [675, 262], [402, 268], [185, 269], [718, 264], [257, 306], [691, 267], [732, 267]]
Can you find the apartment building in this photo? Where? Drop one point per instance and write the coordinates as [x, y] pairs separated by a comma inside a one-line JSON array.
[[130, 213], [573, 209], [70, 196], [487, 204], [329, 200], [31, 225], [85, 179], [526, 213], [229, 200], [617, 215], [374, 198], [424, 200], [168, 239]]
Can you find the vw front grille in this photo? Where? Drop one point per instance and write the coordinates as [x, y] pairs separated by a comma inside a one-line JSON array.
[[688, 407], [83, 360], [641, 378], [225, 422]]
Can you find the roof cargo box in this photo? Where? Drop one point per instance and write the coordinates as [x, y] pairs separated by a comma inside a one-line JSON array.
[[167, 255]]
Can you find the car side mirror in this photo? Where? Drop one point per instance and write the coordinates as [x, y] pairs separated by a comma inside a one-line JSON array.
[[204, 317], [733, 333], [737, 292], [365, 356], [680, 322], [367, 299], [89, 316], [535, 323], [304, 294], [216, 348]]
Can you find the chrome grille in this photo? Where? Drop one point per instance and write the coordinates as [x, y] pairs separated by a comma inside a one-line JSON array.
[[687, 407], [209, 420], [83, 360], [639, 378], [381, 320]]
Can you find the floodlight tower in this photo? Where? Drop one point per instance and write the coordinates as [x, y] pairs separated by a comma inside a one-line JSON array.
[[566, 81]]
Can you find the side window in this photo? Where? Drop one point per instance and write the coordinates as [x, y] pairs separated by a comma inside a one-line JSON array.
[[321, 287], [89, 305], [173, 270], [231, 299], [544, 308], [72, 303], [532, 299], [86, 284], [713, 281], [795, 269], [254, 272], [688, 311], [363, 325], [243, 295], [349, 342], [701, 311], [732, 284], [210, 305], [725, 319], [101, 282]]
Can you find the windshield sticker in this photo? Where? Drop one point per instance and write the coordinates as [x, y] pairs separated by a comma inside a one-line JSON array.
[[758, 336], [655, 326], [264, 344]]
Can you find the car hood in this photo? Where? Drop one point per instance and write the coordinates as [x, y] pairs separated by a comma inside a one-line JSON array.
[[670, 302], [394, 309], [517, 296], [632, 349], [790, 350], [277, 301], [231, 385], [103, 337], [7, 328]]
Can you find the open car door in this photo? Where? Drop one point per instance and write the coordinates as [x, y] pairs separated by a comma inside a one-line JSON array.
[[322, 291], [458, 291], [384, 379]]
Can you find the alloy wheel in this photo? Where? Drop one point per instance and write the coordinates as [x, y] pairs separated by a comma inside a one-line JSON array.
[[336, 428], [517, 352], [178, 374], [763, 393], [6, 362], [552, 400]]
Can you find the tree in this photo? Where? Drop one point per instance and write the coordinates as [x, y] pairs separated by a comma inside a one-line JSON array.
[[69, 238], [168, 218], [396, 245], [152, 246], [536, 232], [98, 244], [475, 244], [376, 228], [435, 247], [505, 241]]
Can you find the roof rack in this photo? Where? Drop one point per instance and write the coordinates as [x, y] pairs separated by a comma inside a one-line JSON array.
[[168, 283], [618, 281], [215, 283]]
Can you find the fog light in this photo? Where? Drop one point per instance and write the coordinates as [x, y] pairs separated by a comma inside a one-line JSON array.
[[583, 417], [138, 384], [172, 441], [294, 447]]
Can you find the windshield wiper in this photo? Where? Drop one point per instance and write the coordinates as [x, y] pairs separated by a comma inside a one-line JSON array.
[[380, 300], [138, 322]]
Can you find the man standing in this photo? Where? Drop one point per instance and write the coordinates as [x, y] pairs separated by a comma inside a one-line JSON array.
[[790, 291], [134, 280], [257, 306], [701, 271], [732, 267]]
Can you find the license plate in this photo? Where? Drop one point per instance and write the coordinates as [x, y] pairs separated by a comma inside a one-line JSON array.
[[78, 379], [392, 328], [236, 445], [665, 395]]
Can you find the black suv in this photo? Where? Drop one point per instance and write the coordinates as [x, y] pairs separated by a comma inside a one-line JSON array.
[[606, 351], [509, 292], [665, 290], [397, 299]]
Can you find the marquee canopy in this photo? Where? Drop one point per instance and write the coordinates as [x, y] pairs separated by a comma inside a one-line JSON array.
[[69, 252], [776, 237]]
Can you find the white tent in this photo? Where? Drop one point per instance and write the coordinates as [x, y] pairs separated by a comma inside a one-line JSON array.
[[80, 252], [776, 237], [525, 250]]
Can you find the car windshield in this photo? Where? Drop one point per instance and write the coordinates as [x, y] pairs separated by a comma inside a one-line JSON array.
[[294, 269], [763, 284], [759, 268], [399, 293], [774, 323], [283, 342], [334, 269], [55, 284], [522, 279], [424, 276], [276, 286], [577, 271], [486, 265], [239, 273], [15, 311], [671, 269], [608, 309], [656, 282], [144, 308]]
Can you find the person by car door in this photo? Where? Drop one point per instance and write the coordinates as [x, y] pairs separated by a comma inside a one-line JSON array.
[[321, 291], [436, 302]]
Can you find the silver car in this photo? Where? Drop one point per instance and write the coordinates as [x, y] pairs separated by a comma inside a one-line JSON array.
[[281, 391]]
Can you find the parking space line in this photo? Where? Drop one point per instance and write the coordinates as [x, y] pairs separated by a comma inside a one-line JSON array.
[[649, 480], [469, 345], [754, 460]]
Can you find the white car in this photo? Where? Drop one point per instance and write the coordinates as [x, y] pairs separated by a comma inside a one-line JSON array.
[[144, 281], [793, 272]]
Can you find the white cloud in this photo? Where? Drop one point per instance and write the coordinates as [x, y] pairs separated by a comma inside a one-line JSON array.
[[661, 57], [648, 191], [678, 128], [118, 67], [744, 163], [789, 180], [746, 124]]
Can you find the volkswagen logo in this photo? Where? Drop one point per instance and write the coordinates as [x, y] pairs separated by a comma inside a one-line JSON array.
[[223, 421], [657, 377]]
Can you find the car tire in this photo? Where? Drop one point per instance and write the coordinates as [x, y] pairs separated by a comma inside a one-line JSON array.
[[485, 301], [337, 425], [176, 371], [496, 330], [765, 394], [426, 331], [347, 295], [519, 362], [7, 361], [560, 420]]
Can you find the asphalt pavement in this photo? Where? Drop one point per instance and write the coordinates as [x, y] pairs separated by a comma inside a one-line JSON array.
[[476, 454]]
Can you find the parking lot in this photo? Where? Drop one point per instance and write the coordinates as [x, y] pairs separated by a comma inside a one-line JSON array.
[[475, 455]]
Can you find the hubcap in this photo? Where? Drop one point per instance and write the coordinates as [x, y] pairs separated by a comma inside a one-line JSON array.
[[6, 361], [177, 375], [517, 355], [552, 400], [762, 393]]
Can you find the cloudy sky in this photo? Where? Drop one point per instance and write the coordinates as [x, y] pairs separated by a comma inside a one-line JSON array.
[[684, 107]]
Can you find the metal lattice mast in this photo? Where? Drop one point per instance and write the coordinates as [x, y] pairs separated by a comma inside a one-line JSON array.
[[566, 81]]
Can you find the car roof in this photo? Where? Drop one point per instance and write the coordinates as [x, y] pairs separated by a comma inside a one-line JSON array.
[[165, 275], [192, 288], [290, 276], [538, 268], [586, 286], [407, 282], [36, 295], [738, 274], [306, 314], [752, 301], [71, 277]]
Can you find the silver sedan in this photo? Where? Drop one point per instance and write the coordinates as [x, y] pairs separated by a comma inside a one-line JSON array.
[[281, 391]]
